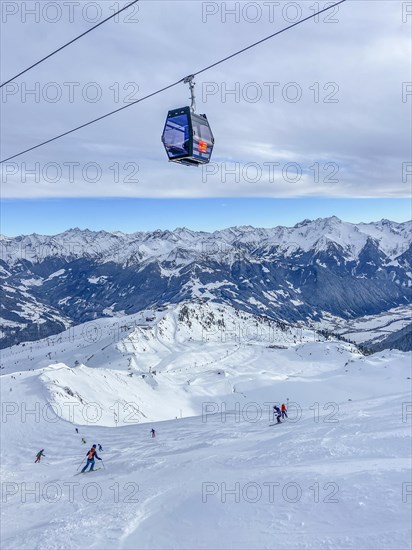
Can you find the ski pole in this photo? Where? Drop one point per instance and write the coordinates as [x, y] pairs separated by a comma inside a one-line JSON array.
[[103, 463], [80, 464]]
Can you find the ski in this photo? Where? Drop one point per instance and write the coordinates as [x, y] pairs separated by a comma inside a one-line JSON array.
[[89, 471], [276, 423]]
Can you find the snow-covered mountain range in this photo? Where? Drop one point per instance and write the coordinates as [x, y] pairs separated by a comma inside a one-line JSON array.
[[316, 270]]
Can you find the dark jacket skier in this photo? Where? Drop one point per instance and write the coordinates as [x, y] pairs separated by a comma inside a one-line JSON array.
[[100, 447], [39, 455], [91, 455], [276, 411], [153, 432]]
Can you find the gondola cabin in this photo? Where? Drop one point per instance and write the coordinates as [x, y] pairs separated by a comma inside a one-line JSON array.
[[187, 137]]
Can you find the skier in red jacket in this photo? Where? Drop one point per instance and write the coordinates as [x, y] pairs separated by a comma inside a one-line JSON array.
[[284, 413]]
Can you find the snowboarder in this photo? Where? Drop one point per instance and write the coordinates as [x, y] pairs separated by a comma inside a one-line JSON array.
[[153, 432], [278, 413], [100, 447], [83, 441], [284, 413], [39, 455], [91, 455]]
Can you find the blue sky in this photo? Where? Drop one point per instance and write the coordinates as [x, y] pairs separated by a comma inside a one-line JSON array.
[[129, 215]]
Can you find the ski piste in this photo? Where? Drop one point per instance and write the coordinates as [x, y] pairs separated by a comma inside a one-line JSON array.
[[215, 449]]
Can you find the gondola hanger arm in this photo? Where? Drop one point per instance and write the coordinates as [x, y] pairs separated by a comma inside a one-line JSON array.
[[190, 80]]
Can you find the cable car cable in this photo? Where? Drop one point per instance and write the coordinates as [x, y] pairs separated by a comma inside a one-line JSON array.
[[92, 121], [170, 85], [267, 38], [68, 43]]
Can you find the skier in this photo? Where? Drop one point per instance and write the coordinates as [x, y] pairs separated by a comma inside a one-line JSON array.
[[39, 455], [100, 447], [153, 432], [284, 413], [83, 441], [278, 413], [77, 430], [90, 459]]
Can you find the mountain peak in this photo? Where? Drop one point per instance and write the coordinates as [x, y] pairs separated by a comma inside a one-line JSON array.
[[303, 223]]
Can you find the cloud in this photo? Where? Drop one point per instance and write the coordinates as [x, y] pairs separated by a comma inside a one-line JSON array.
[[315, 111]]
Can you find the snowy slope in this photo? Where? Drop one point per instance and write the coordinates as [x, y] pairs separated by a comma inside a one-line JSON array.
[[165, 366], [335, 475]]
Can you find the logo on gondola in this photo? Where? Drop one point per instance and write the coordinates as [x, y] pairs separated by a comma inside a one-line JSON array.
[[202, 146]]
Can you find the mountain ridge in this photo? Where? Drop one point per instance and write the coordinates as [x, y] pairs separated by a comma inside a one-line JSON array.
[[302, 273], [385, 232]]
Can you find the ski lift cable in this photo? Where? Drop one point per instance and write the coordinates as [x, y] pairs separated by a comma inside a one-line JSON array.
[[268, 38], [68, 43], [173, 84], [92, 121]]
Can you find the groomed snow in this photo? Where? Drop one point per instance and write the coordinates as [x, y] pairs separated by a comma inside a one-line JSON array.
[[335, 475]]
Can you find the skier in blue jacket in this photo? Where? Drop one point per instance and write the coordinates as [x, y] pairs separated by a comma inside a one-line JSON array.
[[278, 413], [91, 455]]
